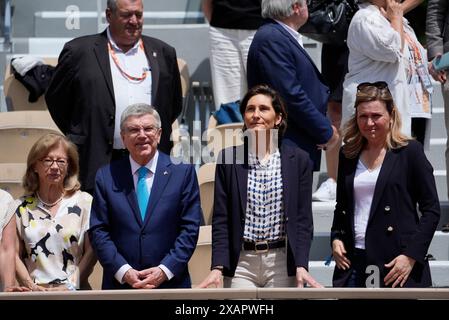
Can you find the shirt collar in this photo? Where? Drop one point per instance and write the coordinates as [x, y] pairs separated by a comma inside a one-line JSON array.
[[295, 34], [117, 48], [151, 165]]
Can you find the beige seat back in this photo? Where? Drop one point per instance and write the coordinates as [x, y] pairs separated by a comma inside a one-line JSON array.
[[11, 175], [185, 76], [206, 176], [224, 136], [199, 264], [19, 130], [96, 277], [16, 94]]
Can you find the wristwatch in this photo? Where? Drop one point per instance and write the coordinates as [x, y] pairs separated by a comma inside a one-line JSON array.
[[218, 268]]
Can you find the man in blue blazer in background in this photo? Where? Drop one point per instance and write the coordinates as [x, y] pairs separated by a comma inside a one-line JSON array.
[[276, 58], [146, 210]]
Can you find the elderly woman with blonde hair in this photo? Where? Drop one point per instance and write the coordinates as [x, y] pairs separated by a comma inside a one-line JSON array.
[[52, 219]]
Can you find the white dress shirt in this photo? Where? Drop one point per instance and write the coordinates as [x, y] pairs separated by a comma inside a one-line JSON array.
[[295, 34], [126, 91], [151, 166]]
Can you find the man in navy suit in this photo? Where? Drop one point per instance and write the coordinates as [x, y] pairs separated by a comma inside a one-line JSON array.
[[276, 58], [145, 239]]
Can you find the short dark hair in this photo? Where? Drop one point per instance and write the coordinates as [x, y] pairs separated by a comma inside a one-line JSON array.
[[276, 101]]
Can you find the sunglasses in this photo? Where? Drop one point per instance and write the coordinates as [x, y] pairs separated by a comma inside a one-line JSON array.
[[378, 85]]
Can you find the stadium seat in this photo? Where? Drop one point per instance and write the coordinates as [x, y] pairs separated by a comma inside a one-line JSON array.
[[16, 94], [199, 264], [11, 175], [206, 176], [223, 136], [19, 130]]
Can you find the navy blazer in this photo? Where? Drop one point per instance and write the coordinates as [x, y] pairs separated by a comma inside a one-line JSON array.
[[394, 226], [230, 208], [81, 97], [275, 58], [167, 236]]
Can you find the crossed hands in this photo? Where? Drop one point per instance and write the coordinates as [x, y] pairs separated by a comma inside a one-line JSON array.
[[150, 278]]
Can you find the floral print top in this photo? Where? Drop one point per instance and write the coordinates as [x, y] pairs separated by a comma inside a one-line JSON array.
[[54, 244]]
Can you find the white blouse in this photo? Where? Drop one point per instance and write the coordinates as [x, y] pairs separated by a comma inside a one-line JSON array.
[[5, 215], [364, 184], [375, 55]]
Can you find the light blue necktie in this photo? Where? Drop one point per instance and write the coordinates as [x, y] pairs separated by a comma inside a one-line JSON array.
[[143, 194]]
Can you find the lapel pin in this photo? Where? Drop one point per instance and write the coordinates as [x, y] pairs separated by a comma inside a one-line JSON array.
[[165, 173], [154, 54]]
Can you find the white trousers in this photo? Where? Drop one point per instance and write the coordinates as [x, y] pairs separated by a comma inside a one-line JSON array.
[[261, 270], [228, 54]]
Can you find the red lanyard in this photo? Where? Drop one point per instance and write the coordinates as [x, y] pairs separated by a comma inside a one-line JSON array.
[[124, 73]]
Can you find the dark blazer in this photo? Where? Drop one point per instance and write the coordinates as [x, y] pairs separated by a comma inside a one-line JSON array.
[[394, 226], [275, 58], [230, 208], [81, 100], [167, 236]]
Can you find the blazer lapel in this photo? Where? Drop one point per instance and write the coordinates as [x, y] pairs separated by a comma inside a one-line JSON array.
[[161, 178], [102, 55], [288, 170], [241, 172], [296, 44], [152, 57], [125, 184], [349, 186], [387, 166]]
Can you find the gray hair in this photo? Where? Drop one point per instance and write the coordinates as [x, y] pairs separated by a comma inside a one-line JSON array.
[[279, 9], [139, 109], [112, 5]]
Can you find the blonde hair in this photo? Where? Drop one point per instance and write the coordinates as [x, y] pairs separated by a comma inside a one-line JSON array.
[[39, 150], [353, 139]]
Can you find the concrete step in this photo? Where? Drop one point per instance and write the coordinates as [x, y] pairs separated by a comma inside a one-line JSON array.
[[323, 273], [441, 183], [23, 21], [435, 154], [61, 24], [437, 126]]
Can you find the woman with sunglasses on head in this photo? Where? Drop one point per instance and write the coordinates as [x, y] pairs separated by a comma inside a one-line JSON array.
[[382, 45], [52, 219], [382, 177]]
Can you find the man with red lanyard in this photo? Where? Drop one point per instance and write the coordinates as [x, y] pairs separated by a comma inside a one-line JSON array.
[[99, 75]]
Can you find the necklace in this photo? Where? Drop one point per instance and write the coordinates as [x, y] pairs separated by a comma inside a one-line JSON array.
[[123, 72], [49, 205]]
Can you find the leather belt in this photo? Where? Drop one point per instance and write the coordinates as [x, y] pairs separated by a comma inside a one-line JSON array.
[[263, 246]]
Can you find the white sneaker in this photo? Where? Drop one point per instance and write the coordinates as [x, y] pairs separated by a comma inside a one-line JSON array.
[[326, 192]]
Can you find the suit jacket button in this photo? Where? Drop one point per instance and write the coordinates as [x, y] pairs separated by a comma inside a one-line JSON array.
[[390, 229], [343, 212], [387, 208], [111, 117]]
